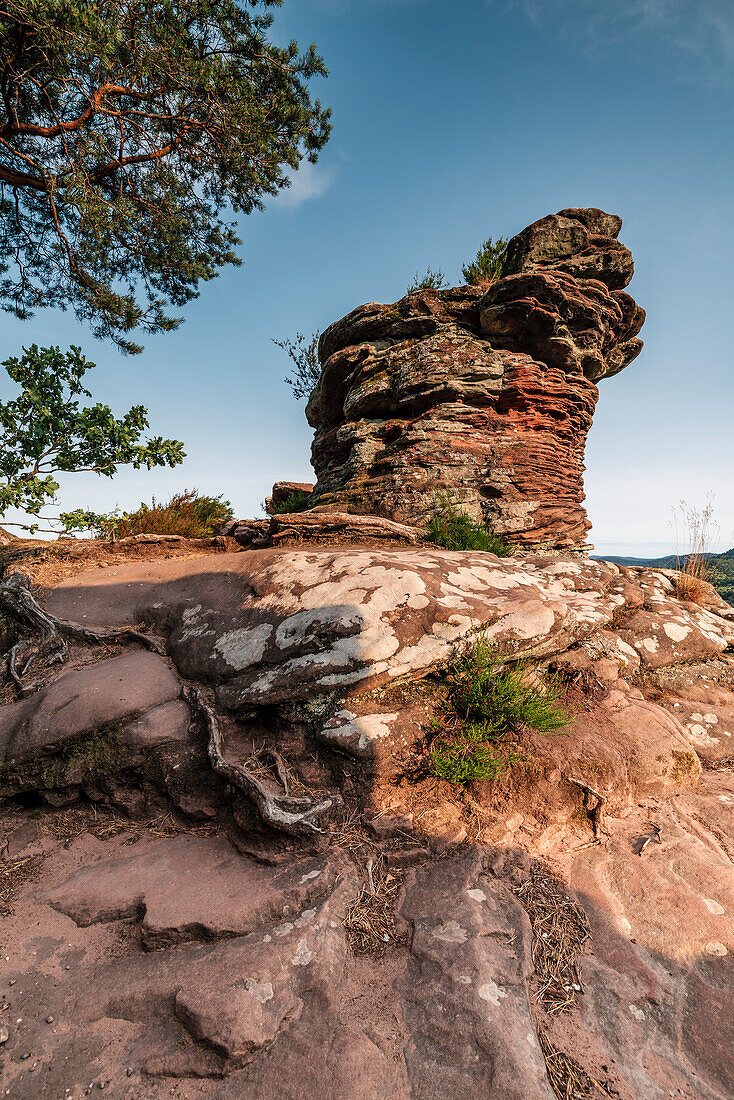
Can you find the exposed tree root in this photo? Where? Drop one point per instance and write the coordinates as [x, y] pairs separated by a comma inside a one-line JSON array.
[[593, 804], [297, 816], [47, 642]]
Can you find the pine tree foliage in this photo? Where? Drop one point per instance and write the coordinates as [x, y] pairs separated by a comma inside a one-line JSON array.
[[131, 134]]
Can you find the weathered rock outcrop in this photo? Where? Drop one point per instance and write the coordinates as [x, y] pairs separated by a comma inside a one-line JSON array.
[[483, 393], [481, 913]]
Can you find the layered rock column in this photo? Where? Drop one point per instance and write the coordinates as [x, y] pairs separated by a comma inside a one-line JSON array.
[[480, 394]]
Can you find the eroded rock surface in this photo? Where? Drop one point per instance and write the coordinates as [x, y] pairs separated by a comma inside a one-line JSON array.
[[223, 961], [483, 393]]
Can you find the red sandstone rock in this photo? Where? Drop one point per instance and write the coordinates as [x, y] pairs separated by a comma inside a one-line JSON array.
[[246, 984], [339, 527], [282, 490], [483, 393]]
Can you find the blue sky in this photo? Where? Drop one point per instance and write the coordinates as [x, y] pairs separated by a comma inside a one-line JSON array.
[[453, 121]]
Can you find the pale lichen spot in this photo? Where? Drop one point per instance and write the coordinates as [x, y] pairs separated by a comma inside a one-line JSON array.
[[309, 876], [477, 895], [261, 991], [676, 631], [637, 1012], [714, 907], [302, 956], [492, 993], [716, 948], [244, 647], [450, 932]]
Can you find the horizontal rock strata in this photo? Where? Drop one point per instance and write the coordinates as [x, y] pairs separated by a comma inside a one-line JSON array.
[[483, 394]]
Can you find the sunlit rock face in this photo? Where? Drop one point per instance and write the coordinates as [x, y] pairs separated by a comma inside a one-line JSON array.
[[483, 394]]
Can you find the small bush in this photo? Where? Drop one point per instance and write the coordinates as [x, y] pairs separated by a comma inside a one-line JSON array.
[[294, 502], [501, 696], [455, 530], [432, 280], [469, 756], [488, 702], [488, 264], [190, 514]]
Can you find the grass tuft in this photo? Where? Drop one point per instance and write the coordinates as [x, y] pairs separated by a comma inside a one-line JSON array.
[[294, 502], [696, 565], [488, 703], [453, 529]]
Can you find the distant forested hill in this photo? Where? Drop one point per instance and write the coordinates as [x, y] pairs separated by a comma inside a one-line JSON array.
[[722, 564]]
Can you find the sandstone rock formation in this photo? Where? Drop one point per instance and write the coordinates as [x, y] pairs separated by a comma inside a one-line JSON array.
[[285, 490], [483, 393], [164, 936]]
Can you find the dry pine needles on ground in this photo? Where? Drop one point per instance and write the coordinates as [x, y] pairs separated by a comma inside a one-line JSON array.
[[560, 930], [370, 921], [82, 819], [13, 873], [568, 1080]]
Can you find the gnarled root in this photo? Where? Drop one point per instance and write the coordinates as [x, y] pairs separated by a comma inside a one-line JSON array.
[[594, 803], [289, 814], [48, 632]]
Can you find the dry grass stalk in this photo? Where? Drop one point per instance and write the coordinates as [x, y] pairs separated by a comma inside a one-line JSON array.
[[697, 530], [568, 1080], [370, 921], [560, 930], [13, 873]]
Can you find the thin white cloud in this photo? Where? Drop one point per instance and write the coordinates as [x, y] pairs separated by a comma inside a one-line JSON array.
[[704, 28], [311, 181]]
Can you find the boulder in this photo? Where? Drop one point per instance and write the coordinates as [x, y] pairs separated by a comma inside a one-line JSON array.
[[287, 624], [189, 888], [89, 726], [283, 491]]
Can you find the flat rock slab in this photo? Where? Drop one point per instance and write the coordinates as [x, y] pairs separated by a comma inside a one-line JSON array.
[[189, 888], [659, 981], [667, 631], [106, 695], [282, 625], [466, 999]]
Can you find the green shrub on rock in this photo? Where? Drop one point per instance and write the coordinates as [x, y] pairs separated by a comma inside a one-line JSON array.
[[488, 702], [488, 264], [454, 529]]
